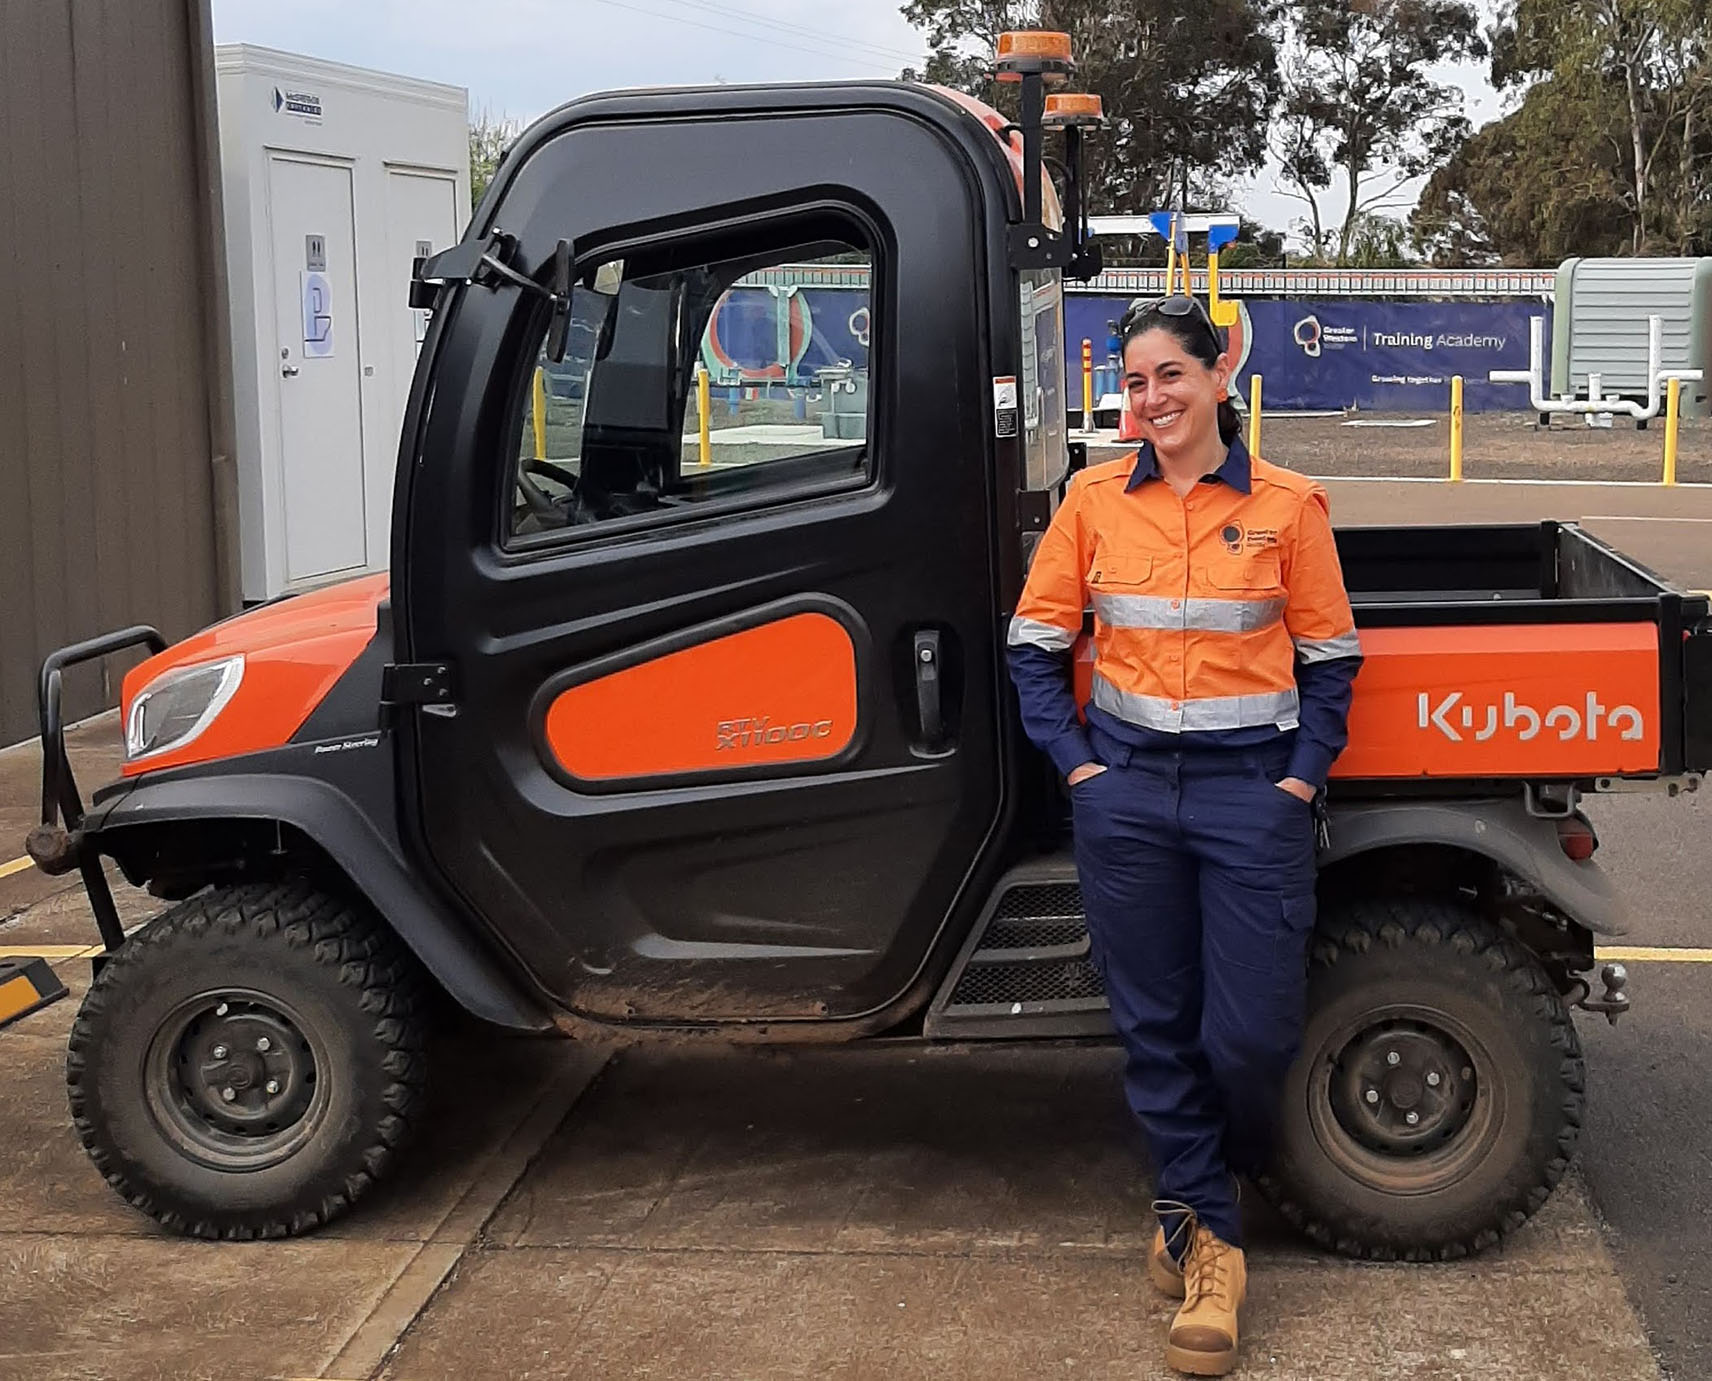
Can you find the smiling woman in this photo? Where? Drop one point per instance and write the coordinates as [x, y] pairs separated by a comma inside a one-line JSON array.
[[1224, 654]]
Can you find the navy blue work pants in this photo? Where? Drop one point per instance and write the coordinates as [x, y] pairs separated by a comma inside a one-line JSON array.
[[1197, 875]]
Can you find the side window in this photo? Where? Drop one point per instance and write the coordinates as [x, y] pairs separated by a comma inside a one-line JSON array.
[[1046, 455], [695, 383]]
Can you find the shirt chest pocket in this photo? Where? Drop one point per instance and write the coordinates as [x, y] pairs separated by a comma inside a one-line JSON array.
[[1250, 573], [1119, 572], [1248, 590]]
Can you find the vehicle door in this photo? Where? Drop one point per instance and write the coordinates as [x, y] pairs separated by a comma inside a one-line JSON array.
[[717, 586]]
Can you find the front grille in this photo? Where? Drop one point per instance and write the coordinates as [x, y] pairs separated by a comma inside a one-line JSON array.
[[1059, 981]]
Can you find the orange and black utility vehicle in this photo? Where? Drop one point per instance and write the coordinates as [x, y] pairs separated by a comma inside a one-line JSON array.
[[683, 712]]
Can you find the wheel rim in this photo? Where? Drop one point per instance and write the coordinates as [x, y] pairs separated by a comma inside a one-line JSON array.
[[1404, 1099], [236, 1079]]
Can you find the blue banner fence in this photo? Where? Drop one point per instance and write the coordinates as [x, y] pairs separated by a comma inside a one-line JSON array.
[[1316, 355]]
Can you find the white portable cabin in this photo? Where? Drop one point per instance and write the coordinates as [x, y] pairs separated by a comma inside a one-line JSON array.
[[334, 179], [1599, 325]]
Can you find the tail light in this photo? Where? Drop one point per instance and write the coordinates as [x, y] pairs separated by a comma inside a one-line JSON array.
[[1576, 838]]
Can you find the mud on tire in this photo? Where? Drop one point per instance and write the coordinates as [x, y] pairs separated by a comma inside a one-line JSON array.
[[1419, 1007], [252, 1062]]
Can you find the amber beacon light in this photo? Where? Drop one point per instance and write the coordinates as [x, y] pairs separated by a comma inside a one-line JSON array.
[[1031, 52], [1074, 110]]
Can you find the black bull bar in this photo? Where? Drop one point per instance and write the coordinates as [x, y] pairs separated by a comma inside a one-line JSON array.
[[57, 844]]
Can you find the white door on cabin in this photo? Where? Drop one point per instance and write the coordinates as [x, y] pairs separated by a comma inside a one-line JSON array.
[[320, 385]]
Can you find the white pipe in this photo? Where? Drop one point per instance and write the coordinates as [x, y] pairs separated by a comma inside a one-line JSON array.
[[1534, 377]]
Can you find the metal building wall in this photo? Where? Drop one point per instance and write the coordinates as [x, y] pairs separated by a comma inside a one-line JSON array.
[[115, 431]]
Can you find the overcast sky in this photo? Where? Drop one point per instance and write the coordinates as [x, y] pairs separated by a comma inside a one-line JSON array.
[[522, 57]]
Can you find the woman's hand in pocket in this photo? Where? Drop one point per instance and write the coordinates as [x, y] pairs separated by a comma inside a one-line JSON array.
[[1085, 772], [1294, 785]]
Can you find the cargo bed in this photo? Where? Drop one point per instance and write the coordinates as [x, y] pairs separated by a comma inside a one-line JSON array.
[[1532, 652]]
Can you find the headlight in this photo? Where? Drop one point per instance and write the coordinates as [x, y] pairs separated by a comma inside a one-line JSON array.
[[178, 705]]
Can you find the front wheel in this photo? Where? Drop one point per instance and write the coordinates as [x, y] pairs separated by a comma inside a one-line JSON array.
[[1439, 1092], [251, 1062]]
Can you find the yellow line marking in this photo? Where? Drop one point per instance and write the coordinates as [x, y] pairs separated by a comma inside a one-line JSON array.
[[48, 951], [1654, 954], [17, 865]]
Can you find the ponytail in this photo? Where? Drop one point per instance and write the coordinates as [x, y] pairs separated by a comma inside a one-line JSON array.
[[1230, 424]]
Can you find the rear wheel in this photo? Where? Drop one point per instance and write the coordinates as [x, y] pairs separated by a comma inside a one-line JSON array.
[[1439, 1092], [250, 1063]]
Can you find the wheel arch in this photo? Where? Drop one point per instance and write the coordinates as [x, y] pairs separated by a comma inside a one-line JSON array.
[[183, 833], [1486, 848]]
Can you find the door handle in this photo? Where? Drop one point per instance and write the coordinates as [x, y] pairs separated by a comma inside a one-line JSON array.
[[288, 371], [927, 683]]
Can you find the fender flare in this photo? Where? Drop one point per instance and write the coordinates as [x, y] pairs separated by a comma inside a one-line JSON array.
[[372, 862], [1500, 829]]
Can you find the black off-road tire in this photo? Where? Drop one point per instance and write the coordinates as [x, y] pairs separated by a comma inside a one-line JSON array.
[[318, 982], [1413, 978]]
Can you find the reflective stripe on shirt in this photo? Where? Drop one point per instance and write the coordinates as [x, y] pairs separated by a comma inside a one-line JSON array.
[[1279, 708], [1200, 615], [1033, 633], [1328, 649]]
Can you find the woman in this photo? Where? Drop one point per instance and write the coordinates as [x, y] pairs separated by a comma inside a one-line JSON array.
[[1224, 656]]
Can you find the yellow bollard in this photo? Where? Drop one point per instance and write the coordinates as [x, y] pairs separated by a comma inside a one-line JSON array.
[[1672, 424], [1087, 385], [1254, 415], [538, 413], [1455, 427], [701, 397]]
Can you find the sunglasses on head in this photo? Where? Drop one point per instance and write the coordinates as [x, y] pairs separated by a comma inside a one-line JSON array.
[[1177, 305]]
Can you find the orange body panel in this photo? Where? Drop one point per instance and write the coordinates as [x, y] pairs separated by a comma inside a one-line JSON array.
[[1497, 700], [784, 692], [293, 653], [1505, 700]]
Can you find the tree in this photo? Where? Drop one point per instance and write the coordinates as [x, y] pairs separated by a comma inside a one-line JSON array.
[[1359, 99], [1545, 182], [1187, 89], [1647, 59], [490, 136]]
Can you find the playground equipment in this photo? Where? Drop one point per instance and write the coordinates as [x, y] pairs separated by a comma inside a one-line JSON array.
[[1175, 228]]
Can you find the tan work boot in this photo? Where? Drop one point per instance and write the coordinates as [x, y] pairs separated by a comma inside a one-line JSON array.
[[1162, 1267], [1203, 1337]]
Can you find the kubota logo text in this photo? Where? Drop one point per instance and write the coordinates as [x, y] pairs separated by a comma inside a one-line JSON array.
[[753, 733], [1454, 719]]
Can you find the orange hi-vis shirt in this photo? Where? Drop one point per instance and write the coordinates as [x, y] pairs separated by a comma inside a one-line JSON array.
[[1220, 618]]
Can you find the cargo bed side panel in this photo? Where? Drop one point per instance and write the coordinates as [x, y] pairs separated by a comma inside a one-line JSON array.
[[1506, 700]]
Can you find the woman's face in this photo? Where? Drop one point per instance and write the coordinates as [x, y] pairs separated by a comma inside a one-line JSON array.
[[1173, 396]]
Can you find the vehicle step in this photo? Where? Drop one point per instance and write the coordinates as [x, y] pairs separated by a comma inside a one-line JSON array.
[[1026, 970]]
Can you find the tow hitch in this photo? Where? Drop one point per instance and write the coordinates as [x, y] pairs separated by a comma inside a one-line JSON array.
[[1613, 1002]]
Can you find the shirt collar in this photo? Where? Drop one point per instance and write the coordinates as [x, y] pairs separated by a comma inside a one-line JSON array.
[[1234, 471]]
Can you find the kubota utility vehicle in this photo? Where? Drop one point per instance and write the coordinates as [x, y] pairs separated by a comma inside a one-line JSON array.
[[683, 709]]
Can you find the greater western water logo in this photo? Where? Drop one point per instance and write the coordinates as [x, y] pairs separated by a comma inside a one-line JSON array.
[[1453, 719], [1306, 334]]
